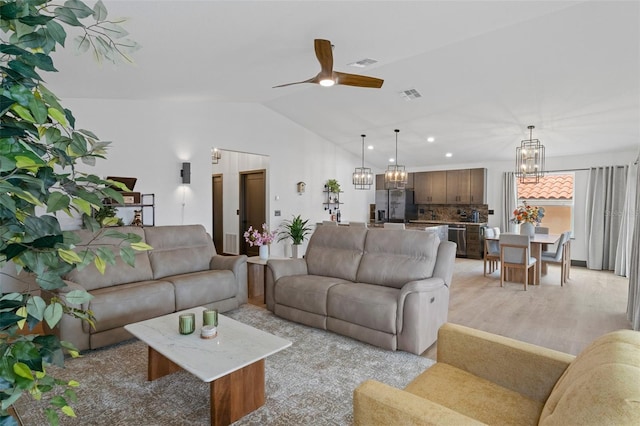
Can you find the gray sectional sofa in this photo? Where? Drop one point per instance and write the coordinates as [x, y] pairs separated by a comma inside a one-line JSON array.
[[182, 271], [389, 288]]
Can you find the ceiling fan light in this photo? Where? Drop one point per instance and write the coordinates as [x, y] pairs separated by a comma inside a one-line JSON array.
[[327, 82]]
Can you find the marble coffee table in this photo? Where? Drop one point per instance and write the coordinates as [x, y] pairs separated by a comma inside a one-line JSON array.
[[233, 362]]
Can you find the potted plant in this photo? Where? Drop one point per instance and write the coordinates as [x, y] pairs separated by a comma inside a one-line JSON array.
[[40, 150], [333, 186], [295, 229]]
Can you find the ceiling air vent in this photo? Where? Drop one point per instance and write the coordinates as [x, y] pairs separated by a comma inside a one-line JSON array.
[[363, 63], [410, 94]]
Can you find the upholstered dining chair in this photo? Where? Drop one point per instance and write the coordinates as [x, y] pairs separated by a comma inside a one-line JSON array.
[[391, 225], [515, 253], [491, 251], [558, 257], [541, 230]]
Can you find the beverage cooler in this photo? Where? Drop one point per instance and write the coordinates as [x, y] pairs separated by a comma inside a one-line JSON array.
[[395, 206]]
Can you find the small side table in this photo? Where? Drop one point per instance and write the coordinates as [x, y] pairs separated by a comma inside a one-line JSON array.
[[255, 277]]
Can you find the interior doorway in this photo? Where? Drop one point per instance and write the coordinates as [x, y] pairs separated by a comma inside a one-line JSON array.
[[218, 212], [253, 203]]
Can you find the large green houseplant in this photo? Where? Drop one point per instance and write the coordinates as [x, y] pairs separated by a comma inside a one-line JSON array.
[[296, 230], [40, 149]]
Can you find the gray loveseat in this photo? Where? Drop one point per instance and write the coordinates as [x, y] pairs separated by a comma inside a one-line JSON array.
[[182, 271], [389, 288]]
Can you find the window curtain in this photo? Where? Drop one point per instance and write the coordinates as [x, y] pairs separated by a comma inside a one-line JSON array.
[[627, 224], [604, 209], [509, 199], [633, 301]]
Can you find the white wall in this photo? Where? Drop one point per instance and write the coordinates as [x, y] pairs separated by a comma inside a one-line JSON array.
[[152, 139]]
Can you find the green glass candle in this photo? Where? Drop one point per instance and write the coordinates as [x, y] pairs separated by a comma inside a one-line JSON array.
[[210, 317], [187, 323]]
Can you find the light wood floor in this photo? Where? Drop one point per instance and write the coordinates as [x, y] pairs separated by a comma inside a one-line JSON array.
[[565, 318]]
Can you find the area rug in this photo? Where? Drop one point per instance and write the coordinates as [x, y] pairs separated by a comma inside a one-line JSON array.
[[309, 383]]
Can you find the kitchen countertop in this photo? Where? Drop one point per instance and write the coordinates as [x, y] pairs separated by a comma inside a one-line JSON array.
[[446, 222]]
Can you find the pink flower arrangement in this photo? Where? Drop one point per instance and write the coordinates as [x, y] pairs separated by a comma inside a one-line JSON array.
[[257, 238]]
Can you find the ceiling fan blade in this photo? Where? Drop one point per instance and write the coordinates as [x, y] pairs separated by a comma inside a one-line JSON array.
[[311, 80], [324, 53], [357, 80]]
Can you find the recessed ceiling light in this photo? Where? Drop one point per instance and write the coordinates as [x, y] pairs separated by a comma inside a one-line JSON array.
[[370, 147], [431, 139], [363, 63], [448, 155]]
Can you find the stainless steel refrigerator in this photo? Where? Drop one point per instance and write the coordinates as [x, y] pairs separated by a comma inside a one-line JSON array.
[[395, 206]]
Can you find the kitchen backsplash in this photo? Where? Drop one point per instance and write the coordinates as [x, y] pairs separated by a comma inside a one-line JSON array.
[[453, 213]]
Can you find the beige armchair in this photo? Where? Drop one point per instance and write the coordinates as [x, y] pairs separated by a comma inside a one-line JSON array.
[[483, 378]]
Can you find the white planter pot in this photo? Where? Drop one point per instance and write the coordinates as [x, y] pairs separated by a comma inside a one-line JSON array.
[[296, 250]]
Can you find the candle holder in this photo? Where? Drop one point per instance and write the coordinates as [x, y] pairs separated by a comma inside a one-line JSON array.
[[187, 323], [210, 317]]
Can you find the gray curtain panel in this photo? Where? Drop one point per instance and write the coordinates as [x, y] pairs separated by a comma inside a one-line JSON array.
[[627, 224], [509, 199], [604, 209], [633, 302]]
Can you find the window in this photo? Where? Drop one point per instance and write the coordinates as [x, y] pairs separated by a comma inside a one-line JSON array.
[[554, 192]]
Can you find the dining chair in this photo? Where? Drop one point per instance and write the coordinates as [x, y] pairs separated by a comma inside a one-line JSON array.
[[496, 230], [515, 253], [391, 225], [559, 257], [541, 230], [491, 251], [358, 224]]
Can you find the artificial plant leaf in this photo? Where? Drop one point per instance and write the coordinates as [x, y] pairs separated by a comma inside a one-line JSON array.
[[8, 319], [23, 69], [53, 314], [22, 312], [140, 246], [22, 370], [57, 201], [78, 297], [128, 255], [82, 205], [56, 31], [68, 411], [67, 16], [38, 110], [81, 43], [24, 113], [57, 115], [80, 9], [101, 265], [69, 256], [36, 306], [99, 11]]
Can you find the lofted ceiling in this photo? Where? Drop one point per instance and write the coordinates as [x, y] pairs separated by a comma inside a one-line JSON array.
[[485, 70]]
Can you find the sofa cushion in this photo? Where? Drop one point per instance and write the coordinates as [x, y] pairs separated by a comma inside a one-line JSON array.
[[395, 257], [124, 304], [305, 292], [335, 251], [368, 305], [120, 273], [179, 249], [201, 288], [475, 397], [601, 385]]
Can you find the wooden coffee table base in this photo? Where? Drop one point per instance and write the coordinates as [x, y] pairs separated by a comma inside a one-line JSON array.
[[232, 396]]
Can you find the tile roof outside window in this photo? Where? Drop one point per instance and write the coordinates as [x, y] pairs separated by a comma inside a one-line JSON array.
[[550, 187]]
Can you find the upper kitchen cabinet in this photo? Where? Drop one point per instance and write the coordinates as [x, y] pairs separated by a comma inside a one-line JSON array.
[[458, 186], [430, 187], [478, 186]]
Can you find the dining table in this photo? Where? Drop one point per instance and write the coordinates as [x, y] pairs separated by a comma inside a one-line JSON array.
[[538, 242]]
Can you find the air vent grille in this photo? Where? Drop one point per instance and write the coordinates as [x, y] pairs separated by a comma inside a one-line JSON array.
[[363, 63], [410, 94]]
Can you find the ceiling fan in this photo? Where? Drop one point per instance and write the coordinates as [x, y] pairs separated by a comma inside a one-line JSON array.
[[328, 77]]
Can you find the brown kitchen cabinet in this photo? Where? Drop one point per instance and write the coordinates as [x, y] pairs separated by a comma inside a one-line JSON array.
[[458, 186], [478, 186], [430, 187]]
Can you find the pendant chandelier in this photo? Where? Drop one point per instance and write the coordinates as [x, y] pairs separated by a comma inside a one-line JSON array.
[[395, 177], [362, 176], [530, 159]]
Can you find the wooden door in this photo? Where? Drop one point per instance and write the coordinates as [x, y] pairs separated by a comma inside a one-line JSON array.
[[217, 212], [252, 206]]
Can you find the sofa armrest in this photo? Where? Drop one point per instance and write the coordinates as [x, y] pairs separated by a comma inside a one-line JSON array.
[[445, 261], [237, 265], [276, 269], [522, 367], [421, 286], [376, 403]]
